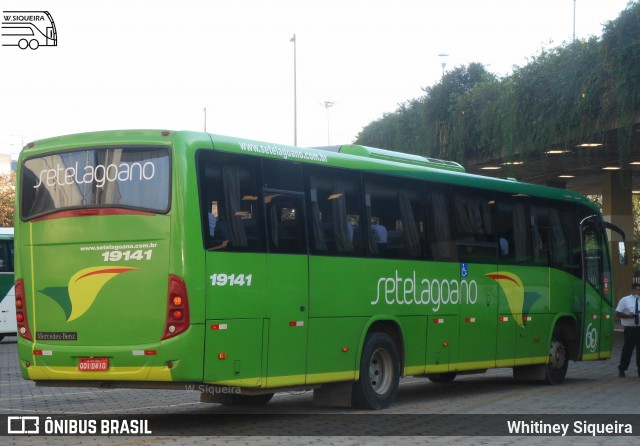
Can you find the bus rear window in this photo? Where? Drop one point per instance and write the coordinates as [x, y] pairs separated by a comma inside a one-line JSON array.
[[131, 178]]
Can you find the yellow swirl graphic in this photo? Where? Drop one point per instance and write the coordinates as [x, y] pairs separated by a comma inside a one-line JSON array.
[[514, 290], [85, 285]]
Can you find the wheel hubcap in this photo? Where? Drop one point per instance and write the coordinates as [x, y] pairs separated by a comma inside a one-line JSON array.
[[381, 371], [557, 355]]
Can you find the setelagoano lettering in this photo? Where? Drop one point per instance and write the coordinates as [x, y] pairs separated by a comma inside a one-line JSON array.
[[100, 174], [398, 290]]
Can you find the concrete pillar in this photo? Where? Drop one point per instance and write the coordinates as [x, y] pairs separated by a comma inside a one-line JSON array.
[[617, 208]]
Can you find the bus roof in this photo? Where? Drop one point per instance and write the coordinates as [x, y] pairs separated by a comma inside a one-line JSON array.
[[394, 163], [346, 156]]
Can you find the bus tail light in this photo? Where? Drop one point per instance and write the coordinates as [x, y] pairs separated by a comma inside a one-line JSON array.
[[21, 311], [177, 320]]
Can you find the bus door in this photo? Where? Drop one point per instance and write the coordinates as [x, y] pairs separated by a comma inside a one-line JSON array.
[[288, 287], [478, 293], [236, 271], [478, 313], [597, 298]]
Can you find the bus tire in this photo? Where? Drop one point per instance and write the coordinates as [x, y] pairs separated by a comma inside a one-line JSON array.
[[23, 44], [379, 373], [556, 369], [34, 44]]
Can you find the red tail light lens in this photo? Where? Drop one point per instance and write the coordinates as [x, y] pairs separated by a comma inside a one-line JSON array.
[[177, 308], [21, 311]]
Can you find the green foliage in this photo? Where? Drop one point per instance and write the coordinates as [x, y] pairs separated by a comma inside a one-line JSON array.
[[621, 57], [7, 198], [635, 261], [424, 126], [563, 96]]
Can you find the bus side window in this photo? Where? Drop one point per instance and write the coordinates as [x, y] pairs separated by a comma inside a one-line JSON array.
[[4, 256], [441, 243], [561, 239], [333, 209], [381, 210], [286, 224], [394, 212], [281, 175], [540, 235], [509, 227], [230, 209], [475, 226]]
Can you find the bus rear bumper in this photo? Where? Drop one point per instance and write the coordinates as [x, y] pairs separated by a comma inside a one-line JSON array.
[[143, 373], [175, 359]]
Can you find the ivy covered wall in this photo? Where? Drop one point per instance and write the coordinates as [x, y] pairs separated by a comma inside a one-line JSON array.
[[563, 96]]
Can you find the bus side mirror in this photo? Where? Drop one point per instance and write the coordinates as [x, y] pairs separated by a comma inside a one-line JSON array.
[[622, 253]]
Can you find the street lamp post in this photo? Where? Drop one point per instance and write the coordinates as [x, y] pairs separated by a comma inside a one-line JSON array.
[[443, 62], [295, 94], [327, 105], [574, 20]]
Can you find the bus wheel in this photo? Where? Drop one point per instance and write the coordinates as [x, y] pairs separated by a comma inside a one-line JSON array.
[[34, 44], [556, 369], [23, 44], [441, 378], [379, 373]]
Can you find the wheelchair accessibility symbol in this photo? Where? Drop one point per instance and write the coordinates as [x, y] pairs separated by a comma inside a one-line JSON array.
[[464, 270], [591, 338]]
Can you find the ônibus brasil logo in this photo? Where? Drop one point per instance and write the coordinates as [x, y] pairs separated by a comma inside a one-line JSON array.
[[84, 286], [28, 29]]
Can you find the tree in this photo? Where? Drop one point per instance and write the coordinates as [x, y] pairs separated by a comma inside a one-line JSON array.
[[424, 126], [7, 198]]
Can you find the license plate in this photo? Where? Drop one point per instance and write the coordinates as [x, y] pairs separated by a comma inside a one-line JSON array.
[[93, 364]]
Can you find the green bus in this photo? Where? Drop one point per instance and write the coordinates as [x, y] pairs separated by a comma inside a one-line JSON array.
[[164, 259]]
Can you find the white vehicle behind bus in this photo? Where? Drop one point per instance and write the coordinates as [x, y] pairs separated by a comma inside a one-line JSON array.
[[8, 326]]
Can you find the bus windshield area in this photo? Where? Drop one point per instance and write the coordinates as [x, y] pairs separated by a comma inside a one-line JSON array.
[[132, 178]]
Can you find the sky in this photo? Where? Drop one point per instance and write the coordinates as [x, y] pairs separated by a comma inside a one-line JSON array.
[[159, 64]]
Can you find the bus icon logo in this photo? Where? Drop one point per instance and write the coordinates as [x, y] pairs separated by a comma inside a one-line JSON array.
[[28, 29], [23, 425]]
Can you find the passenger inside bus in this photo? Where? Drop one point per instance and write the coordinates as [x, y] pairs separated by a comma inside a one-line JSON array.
[[379, 234]]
